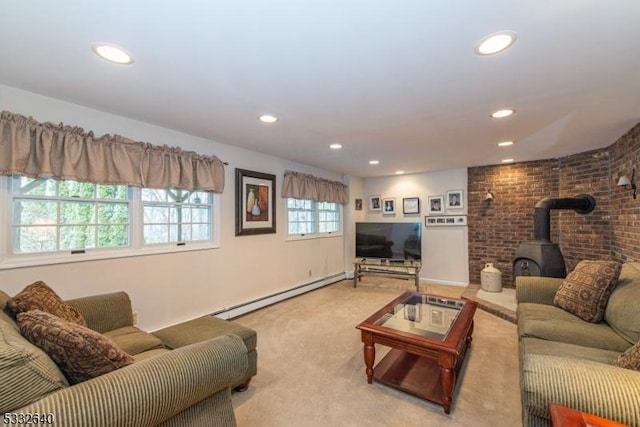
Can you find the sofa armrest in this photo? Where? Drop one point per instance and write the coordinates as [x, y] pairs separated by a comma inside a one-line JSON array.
[[540, 290], [105, 312], [597, 388], [151, 391]]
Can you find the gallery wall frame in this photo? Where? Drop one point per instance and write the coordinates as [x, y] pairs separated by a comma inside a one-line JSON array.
[[375, 203], [445, 221], [411, 205], [454, 199], [255, 203], [435, 205], [388, 206]]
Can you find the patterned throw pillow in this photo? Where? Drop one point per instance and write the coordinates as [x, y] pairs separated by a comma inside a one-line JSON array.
[[39, 296], [587, 288], [79, 352], [630, 359]]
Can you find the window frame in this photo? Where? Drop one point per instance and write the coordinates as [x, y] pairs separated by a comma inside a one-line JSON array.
[[317, 234], [136, 245]]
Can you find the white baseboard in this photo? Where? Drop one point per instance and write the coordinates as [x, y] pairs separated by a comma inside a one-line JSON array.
[[443, 282], [248, 307]]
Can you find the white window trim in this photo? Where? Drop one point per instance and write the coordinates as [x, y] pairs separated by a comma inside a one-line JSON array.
[[136, 248], [294, 237]]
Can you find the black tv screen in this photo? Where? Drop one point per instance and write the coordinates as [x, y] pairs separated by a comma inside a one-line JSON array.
[[389, 240]]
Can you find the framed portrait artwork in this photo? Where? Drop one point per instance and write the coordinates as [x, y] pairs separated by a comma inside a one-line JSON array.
[[436, 205], [411, 205], [388, 206], [375, 203], [454, 199], [358, 203], [255, 203]]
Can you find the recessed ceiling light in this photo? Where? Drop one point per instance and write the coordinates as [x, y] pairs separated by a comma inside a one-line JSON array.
[[268, 118], [399, 172], [112, 53], [502, 113], [507, 160], [335, 146], [496, 42], [374, 162], [505, 143]]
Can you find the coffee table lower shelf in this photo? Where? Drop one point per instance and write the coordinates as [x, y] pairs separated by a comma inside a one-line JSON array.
[[416, 375]]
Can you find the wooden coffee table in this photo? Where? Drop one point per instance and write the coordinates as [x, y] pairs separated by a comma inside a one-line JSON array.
[[429, 336], [562, 416]]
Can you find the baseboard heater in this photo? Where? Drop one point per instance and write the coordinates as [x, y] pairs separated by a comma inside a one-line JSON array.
[[248, 307]]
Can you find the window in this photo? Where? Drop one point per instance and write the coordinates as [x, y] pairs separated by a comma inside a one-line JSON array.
[[176, 216], [308, 217], [53, 220], [329, 217], [50, 215]]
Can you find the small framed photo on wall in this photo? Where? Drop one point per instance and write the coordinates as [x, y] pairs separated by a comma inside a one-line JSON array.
[[454, 199], [388, 206], [436, 205], [375, 203]]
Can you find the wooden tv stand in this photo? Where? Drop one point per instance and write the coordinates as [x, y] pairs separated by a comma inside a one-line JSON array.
[[390, 268]]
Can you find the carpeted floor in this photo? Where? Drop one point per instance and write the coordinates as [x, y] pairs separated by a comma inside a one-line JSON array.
[[311, 366]]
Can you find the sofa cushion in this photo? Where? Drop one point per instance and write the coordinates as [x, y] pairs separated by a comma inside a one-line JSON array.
[[630, 359], [587, 288], [203, 328], [133, 340], [562, 349], [27, 374], [39, 296], [149, 354], [551, 323], [81, 353], [622, 309]]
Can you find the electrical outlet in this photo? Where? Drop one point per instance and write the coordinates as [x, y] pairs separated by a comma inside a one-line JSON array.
[[309, 273]]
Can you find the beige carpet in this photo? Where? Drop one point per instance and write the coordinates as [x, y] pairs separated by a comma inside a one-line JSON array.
[[311, 367]]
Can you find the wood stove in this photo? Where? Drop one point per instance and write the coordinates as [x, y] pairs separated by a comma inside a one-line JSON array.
[[542, 257]]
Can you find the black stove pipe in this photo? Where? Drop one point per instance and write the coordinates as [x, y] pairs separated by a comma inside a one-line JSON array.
[[582, 204]]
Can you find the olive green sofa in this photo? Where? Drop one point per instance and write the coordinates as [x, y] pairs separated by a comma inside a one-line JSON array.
[[182, 375], [568, 361]]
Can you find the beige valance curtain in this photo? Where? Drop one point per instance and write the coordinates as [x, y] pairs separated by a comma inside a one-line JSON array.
[[303, 186], [35, 149]]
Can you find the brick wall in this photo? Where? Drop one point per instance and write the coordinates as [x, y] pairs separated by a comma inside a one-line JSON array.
[[625, 211], [612, 230]]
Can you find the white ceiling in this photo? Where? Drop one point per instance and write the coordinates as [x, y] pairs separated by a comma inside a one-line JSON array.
[[396, 81]]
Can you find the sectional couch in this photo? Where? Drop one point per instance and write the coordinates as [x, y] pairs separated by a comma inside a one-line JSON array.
[[181, 375], [569, 361]]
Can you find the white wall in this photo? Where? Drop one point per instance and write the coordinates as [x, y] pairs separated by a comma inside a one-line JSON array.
[[351, 216], [169, 288], [445, 257]]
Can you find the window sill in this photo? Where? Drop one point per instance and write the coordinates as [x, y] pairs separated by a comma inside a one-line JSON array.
[[297, 237], [34, 260]]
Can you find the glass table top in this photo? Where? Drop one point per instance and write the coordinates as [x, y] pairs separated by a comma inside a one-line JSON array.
[[428, 316], [377, 262]]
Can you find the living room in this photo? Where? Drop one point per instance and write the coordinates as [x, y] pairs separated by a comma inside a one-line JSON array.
[[240, 274]]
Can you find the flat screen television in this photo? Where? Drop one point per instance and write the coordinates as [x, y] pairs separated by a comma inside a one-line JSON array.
[[389, 240]]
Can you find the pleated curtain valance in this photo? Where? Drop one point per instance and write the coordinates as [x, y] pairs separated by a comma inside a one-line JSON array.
[[35, 149], [308, 187]]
